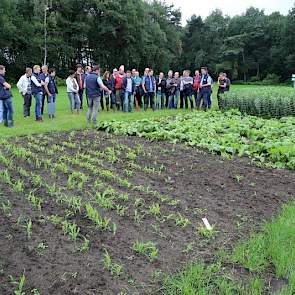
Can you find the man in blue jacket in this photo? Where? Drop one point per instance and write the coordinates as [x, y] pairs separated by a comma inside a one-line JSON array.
[[51, 90], [94, 86], [6, 99], [128, 86], [206, 88], [149, 89]]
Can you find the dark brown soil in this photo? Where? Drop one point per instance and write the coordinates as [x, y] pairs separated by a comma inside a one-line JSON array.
[[235, 196]]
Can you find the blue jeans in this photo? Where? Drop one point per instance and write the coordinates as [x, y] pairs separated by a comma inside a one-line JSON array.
[[8, 112], [176, 98], [127, 96], [206, 95], [1, 111], [51, 105], [38, 105], [75, 102]]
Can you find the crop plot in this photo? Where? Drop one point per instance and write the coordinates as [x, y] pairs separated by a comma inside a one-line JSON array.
[[91, 213]]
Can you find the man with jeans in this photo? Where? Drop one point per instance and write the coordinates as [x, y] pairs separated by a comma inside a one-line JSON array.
[[6, 98], [94, 85], [128, 86], [149, 89], [36, 85], [206, 88]]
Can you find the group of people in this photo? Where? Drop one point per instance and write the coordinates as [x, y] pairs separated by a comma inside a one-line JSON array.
[[118, 90]]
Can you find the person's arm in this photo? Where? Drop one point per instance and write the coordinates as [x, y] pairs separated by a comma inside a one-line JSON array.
[[46, 86], [35, 81], [20, 85], [102, 86], [143, 85]]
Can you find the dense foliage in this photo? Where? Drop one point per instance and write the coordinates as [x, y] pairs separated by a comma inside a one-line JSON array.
[[265, 102], [267, 142], [250, 47]]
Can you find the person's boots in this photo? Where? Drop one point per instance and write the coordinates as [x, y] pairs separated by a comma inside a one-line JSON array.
[[10, 124], [5, 123]]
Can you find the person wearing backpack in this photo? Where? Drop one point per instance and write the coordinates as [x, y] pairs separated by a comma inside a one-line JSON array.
[[6, 99]]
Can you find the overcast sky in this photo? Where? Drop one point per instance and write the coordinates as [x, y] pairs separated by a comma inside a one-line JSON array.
[[229, 7]]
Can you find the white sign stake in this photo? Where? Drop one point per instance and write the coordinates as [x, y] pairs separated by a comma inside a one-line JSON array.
[[207, 224]]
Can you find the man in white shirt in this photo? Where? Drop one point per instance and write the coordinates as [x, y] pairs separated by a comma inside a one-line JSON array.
[[24, 87], [72, 90]]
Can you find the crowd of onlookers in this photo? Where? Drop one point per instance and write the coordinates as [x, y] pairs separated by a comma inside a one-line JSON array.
[[118, 90]]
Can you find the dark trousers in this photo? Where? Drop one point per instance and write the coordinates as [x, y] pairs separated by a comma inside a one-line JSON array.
[[81, 92], [206, 96], [44, 96], [181, 99], [27, 104], [149, 99], [167, 99]]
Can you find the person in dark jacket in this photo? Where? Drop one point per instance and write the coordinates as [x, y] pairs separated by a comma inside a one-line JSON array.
[[37, 92], [149, 88], [6, 99], [161, 91], [188, 90], [94, 87], [128, 86], [51, 90]]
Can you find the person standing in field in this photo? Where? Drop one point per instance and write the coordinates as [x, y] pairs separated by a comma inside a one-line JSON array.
[[72, 90], [196, 87], [118, 85], [94, 86], [177, 83], [206, 88], [37, 92], [161, 90], [188, 90], [138, 91], [51, 90], [149, 89], [128, 86], [221, 89], [80, 78], [24, 87], [6, 99], [228, 82], [109, 83], [43, 76], [169, 88]]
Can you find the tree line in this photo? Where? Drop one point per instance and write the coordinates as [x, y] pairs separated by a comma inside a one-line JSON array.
[[137, 33]]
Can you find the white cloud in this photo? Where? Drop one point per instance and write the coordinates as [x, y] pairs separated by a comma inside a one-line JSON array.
[[228, 7]]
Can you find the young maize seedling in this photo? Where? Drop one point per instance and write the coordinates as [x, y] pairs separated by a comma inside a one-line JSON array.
[[29, 228], [18, 187], [85, 245], [155, 209], [206, 233], [114, 268], [148, 250], [20, 285], [104, 201], [5, 176], [71, 229], [7, 208], [36, 180], [181, 221], [41, 247], [35, 292], [138, 217], [35, 201]]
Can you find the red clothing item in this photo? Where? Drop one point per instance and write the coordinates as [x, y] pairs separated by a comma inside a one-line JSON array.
[[118, 82], [196, 85]]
